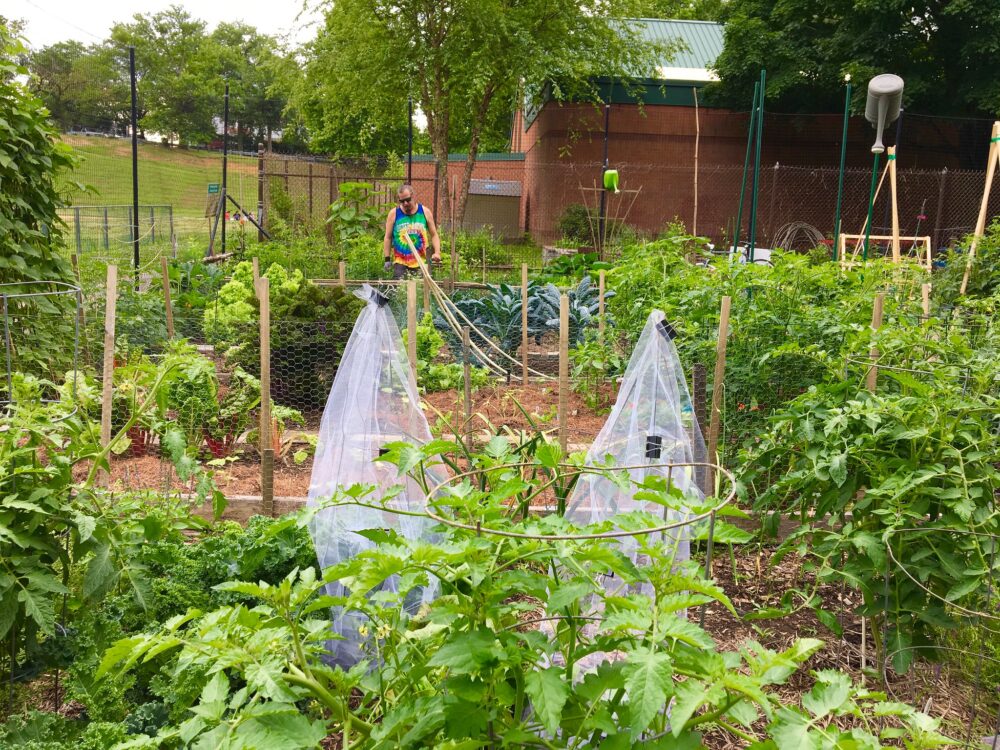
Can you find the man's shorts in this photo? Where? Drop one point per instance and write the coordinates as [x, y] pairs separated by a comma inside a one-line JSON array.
[[399, 271]]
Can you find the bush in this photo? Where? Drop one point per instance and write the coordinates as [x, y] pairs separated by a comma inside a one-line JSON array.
[[575, 225]]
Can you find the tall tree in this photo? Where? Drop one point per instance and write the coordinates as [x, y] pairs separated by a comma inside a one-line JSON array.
[[178, 85], [251, 62], [463, 59], [945, 50]]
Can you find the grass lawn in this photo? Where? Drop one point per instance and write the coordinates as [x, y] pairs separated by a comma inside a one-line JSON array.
[[167, 176]]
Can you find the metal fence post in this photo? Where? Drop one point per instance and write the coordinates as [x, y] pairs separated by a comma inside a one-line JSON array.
[[76, 228]]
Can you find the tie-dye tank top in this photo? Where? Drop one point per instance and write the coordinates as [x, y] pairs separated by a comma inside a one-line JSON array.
[[416, 227]]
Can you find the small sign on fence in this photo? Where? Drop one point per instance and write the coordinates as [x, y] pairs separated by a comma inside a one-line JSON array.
[[213, 188]]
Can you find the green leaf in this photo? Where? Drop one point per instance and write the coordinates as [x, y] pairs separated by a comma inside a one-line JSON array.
[[286, 729], [648, 682], [216, 689], [829, 694], [838, 469], [468, 652], [548, 691], [567, 593], [963, 588], [100, 575], [39, 607], [790, 730], [688, 697]]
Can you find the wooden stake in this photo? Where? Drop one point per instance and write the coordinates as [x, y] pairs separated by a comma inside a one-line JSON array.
[[991, 166], [563, 370], [107, 390], [872, 379], [697, 139], [601, 283], [524, 323], [467, 381], [166, 297], [484, 265], [411, 325], [925, 295], [256, 274], [454, 247], [427, 293], [342, 273], [895, 204], [720, 373], [266, 426], [699, 377]]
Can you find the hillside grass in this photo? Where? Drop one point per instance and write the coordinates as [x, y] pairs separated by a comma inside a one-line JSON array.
[[167, 175]]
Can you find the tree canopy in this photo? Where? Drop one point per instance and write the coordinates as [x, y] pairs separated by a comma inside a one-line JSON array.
[[947, 52], [464, 62]]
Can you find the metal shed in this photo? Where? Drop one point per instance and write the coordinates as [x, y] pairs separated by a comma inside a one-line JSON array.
[[494, 203]]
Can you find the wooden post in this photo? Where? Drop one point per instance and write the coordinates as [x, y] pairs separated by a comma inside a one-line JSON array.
[[454, 246], [266, 427], [601, 282], [991, 166], [720, 373], [166, 297], [425, 285], [256, 274], [484, 265], [310, 178], [925, 298], [895, 204], [563, 370], [342, 273], [152, 224], [411, 325], [524, 323], [329, 226], [872, 379], [699, 378], [467, 382], [107, 390]]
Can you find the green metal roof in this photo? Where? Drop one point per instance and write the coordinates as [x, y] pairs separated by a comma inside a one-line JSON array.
[[702, 40]]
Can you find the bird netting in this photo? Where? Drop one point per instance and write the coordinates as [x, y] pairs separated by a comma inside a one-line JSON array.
[[373, 402]]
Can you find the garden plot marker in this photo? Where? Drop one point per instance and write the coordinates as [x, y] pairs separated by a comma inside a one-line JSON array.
[[107, 385], [166, 297]]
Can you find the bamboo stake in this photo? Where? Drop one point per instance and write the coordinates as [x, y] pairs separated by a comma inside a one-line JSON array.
[[872, 379], [925, 294], [411, 325], [107, 389], [166, 297], [697, 139], [342, 273], [720, 374], [895, 204], [563, 370], [256, 274], [991, 167], [601, 283], [266, 426], [467, 384], [524, 323]]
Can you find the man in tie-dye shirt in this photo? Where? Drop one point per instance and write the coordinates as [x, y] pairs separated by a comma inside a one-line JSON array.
[[413, 219]]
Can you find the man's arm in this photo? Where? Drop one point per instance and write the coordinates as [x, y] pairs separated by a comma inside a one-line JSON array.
[[387, 240], [435, 238]]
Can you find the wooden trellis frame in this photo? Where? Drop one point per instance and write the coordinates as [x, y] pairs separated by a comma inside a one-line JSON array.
[[991, 167], [923, 256]]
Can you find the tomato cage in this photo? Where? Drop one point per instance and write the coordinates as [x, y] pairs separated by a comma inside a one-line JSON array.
[[41, 341]]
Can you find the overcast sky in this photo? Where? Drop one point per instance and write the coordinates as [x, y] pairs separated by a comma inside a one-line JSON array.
[[87, 21]]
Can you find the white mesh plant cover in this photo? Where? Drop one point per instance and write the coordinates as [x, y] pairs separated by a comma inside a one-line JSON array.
[[373, 401], [652, 423]]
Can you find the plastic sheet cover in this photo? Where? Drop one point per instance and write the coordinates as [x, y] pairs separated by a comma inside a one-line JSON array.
[[373, 401], [652, 423]]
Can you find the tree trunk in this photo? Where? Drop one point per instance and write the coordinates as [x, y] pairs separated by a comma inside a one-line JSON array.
[[470, 158]]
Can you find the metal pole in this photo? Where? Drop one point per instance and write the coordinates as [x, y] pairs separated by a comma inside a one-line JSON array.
[[260, 191], [225, 160], [409, 158], [604, 193], [746, 166], [135, 166], [756, 167], [871, 207], [840, 179]]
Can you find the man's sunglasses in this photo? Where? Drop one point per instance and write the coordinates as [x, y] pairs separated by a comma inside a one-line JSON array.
[[406, 200]]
